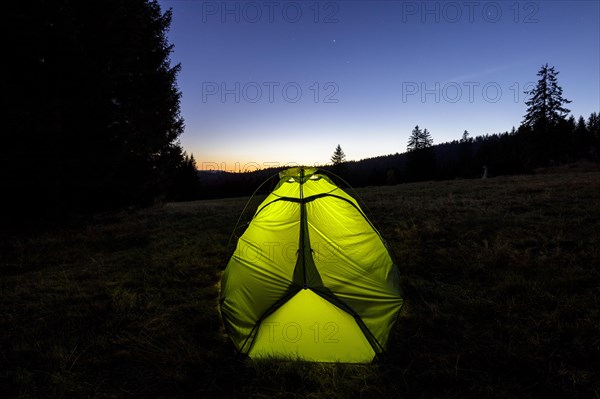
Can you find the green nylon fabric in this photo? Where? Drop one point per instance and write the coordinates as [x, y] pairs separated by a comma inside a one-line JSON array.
[[310, 278], [325, 333]]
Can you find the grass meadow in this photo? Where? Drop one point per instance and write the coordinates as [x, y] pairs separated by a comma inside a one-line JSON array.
[[501, 279]]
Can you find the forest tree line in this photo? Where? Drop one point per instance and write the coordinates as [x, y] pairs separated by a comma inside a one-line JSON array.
[[519, 151]]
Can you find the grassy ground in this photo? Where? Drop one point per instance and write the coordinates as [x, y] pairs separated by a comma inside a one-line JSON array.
[[501, 279]]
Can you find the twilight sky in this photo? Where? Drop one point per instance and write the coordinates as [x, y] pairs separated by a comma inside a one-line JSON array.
[[283, 82]]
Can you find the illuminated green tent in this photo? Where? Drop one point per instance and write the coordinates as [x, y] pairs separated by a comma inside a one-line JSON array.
[[311, 278]]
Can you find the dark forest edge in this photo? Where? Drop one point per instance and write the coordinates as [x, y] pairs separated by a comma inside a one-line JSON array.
[[520, 151], [93, 111]]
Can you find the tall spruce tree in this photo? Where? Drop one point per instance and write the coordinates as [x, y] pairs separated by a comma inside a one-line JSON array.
[[465, 137], [338, 156], [414, 139], [94, 112], [426, 139], [545, 107], [419, 139], [420, 164]]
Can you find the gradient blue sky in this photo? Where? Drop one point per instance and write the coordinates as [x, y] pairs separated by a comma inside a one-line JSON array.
[[283, 82]]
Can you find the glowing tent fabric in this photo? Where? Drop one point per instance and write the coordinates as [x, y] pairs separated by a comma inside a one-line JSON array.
[[311, 278]]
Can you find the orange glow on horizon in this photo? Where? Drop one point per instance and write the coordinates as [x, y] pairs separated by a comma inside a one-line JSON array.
[[247, 166]]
